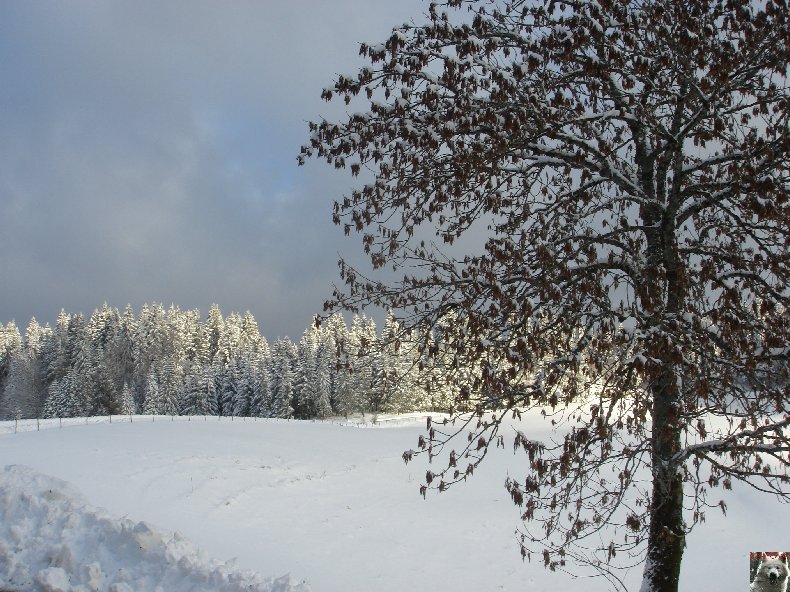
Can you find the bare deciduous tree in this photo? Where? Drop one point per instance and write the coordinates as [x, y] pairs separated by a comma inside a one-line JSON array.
[[627, 162]]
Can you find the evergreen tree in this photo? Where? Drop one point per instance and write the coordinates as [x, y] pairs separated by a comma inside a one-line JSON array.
[[171, 384], [190, 327], [124, 349], [250, 338], [101, 395], [283, 393], [305, 380], [54, 404], [127, 401], [324, 373], [436, 379], [65, 398], [261, 389], [198, 390], [334, 335], [398, 365], [10, 342], [150, 346], [359, 382], [212, 332], [226, 387], [155, 401], [20, 399], [283, 360], [239, 403], [58, 355], [37, 339]]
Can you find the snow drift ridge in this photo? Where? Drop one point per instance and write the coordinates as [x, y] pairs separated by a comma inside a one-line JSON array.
[[52, 540]]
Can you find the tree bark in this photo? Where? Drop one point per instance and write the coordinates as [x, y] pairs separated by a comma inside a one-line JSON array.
[[666, 535], [666, 539]]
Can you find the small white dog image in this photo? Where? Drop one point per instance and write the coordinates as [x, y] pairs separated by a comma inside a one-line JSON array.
[[771, 575]]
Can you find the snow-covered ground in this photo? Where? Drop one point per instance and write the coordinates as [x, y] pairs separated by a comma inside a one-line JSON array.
[[328, 504], [54, 541]]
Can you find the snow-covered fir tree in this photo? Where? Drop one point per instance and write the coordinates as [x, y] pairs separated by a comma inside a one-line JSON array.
[[283, 361], [153, 400], [199, 390], [260, 397], [127, 401], [171, 383]]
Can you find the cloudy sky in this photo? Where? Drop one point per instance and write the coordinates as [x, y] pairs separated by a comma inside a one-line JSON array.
[[148, 153]]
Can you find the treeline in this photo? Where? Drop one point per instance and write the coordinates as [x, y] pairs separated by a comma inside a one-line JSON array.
[[173, 362]]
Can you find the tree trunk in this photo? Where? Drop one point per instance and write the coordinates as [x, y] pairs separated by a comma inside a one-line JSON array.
[[667, 539]]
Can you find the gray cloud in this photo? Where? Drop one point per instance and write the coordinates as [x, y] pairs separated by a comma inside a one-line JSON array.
[[147, 153]]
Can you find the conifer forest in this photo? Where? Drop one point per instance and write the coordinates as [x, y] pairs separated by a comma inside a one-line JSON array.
[[174, 362]]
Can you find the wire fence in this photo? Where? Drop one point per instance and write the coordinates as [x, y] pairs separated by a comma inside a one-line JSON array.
[[362, 420]]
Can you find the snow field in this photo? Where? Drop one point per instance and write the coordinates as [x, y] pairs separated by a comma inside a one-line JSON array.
[[52, 540], [335, 505]]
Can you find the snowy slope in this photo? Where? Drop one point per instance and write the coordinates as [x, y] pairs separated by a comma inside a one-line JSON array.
[[53, 540], [335, 505]]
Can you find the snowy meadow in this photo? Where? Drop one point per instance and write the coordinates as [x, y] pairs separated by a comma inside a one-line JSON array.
[[331, 504]]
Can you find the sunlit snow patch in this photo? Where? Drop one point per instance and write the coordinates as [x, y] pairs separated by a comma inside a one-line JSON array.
[[52, 540]]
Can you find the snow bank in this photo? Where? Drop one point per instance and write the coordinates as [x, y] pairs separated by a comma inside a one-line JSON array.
[[52, 540]]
